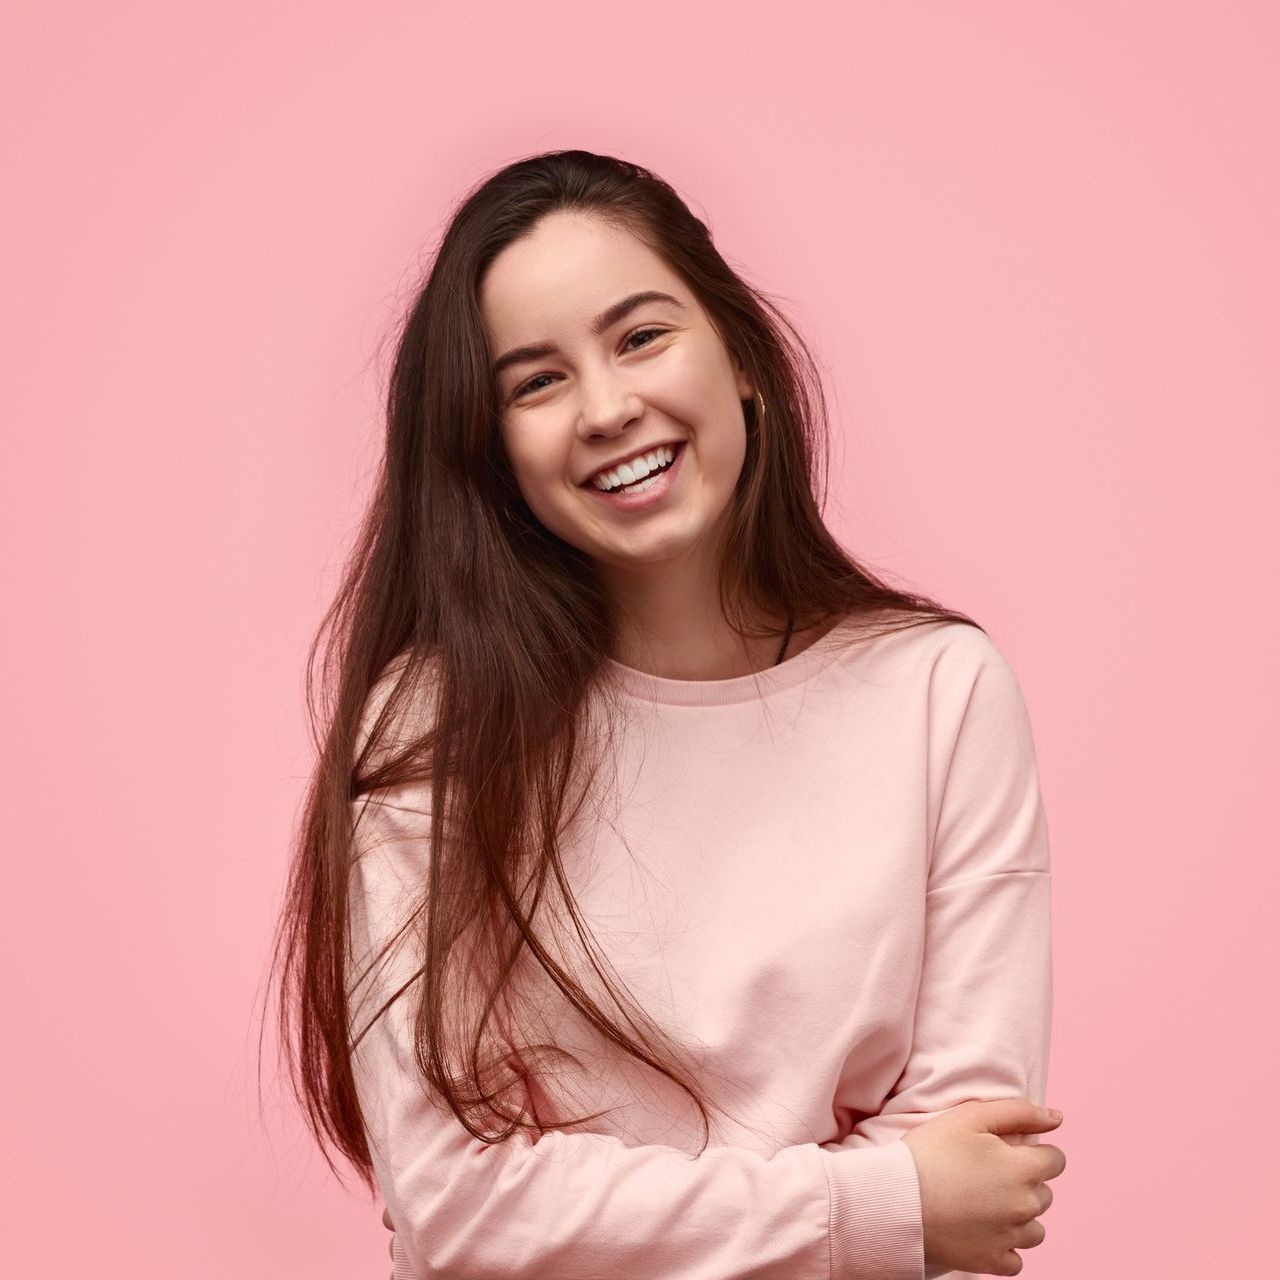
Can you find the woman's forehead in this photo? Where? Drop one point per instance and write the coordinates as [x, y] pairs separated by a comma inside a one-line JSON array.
[[566, 271]]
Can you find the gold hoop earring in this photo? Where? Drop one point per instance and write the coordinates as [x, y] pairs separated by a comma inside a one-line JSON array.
[[759, 397]]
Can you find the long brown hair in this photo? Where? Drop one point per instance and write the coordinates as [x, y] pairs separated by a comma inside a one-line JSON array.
[[456, 598]]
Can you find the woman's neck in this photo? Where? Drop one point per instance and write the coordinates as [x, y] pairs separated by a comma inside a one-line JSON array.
[[669, 624], [702, 652]]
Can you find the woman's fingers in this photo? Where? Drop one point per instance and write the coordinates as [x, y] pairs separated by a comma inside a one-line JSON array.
[[1030, 1234]]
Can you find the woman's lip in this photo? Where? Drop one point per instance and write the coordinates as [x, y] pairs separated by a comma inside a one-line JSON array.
[[650, 497]]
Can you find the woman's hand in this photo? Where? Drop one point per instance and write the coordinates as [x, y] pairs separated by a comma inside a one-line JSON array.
[[980, 1192]]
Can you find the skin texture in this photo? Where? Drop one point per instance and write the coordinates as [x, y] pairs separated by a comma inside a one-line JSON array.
[[601, 397]]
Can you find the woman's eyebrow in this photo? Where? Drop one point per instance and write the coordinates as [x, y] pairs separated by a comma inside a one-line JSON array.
[[608, 317]]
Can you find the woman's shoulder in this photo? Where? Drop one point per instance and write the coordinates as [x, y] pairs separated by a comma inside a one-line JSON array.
[[398, 705], [965, 642], [887, 644]]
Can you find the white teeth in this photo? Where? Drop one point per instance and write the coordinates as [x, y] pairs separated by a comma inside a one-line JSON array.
[[636, 469]]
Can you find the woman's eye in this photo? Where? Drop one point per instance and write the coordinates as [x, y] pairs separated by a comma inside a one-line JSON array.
[[641, 332], [527, 388]]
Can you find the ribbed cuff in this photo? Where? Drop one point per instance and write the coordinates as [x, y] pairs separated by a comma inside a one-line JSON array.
[[400, 1268], [877, 1230]]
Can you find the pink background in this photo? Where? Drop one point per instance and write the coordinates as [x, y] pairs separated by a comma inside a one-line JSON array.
[[1035, 246]]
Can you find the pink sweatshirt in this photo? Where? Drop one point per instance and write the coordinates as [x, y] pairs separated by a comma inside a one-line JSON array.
[[830, 881]]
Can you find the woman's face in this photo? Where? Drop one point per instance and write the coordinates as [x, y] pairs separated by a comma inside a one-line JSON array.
[[655, 374]]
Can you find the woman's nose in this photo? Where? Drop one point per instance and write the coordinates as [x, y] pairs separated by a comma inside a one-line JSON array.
[[607, 406]]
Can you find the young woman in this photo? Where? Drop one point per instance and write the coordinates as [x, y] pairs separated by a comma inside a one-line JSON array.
[[672, 898]]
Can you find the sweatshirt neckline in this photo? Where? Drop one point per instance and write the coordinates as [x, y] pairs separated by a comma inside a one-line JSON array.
[[756, 685]]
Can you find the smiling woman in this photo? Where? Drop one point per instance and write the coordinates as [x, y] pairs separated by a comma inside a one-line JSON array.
[[639, 794]]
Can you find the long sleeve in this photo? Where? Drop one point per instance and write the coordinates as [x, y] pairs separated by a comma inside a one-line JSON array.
[[585, 1206], [984, 1008]]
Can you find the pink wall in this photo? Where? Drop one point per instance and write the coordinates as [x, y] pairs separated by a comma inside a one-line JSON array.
[[1036, 248]]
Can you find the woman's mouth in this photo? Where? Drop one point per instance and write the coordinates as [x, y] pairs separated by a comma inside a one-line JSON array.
[[646, 493]]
